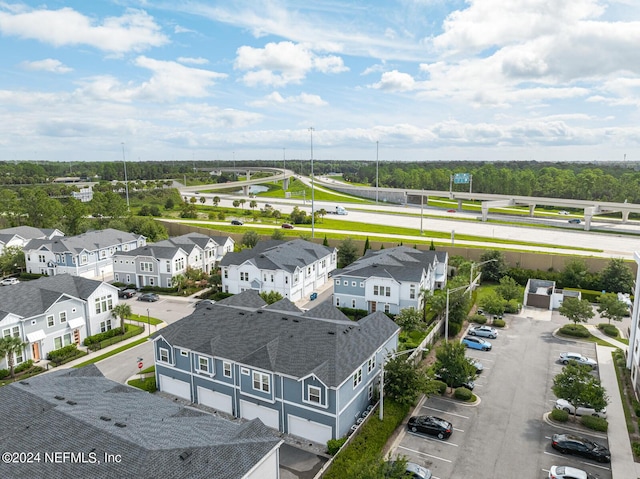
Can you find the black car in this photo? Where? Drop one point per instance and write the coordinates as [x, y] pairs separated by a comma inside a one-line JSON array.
[[236, 223], [432, 425], [148, 297], [126, 293], [469, 384], [580, 446]]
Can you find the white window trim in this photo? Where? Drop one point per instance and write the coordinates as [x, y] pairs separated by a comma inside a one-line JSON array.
[[160, 353], [224, 370], [261, 376], [307, 397], [202, 361], [357, 378]]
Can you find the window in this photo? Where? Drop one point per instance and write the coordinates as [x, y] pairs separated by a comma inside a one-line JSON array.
[[337, 282], [357, 378], [169, 283], [272, 278], [184, 353], [73, 260], [362, 284], [117, 276], [371, 364], [41, 258], [226, 273], [353, 283], [61, 341], [264, 277], [286, 280], [63, 316], [244, 276], [261, 382], [144, 266], [51, 320], [105, 326], [104, 303], [308, 270], [226, 369], [370, 391], [164, 355], [84, 259], [387, 291], [128, 279], [179, 264], [315, 395], [412, 292], [337, 301], [103, 254], [152, 281], [386, 308], [168, 266], [203, 364], [353, 303], [376, 290]]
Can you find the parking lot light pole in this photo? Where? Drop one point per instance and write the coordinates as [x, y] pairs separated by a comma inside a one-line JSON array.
[[393, 356], [446, 316], [475, 265]]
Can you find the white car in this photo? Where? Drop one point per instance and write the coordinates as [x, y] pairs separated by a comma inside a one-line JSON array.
[[582, 410], [579, 358], [566, 472], [9, 281], [563, 212]]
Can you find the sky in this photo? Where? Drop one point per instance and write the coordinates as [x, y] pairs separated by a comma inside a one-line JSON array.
[[374, 80]]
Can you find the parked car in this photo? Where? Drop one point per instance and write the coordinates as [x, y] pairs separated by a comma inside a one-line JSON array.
[[476, 343], [585, 410], [484, 331], [236, 223], [566, 472], [580, 446], [563, 212], [575, 221], [9, 281], [469, 384], [579, 358], [432, 425], [149, 297], [287, 226], [478, 365], [412, 471], [126, 293], [204, 302]]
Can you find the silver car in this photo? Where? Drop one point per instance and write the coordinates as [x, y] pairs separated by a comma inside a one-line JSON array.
[[582, 410], [484, 331], [579, 358]]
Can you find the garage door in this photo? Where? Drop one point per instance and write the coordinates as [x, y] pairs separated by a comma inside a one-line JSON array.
[[216, 400], [314, 431], [270, 417], [175, 387]]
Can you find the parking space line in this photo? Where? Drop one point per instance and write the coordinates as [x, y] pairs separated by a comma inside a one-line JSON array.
[[446, 412], [439, 441], [424, 454], [456, 429], [590, 464]]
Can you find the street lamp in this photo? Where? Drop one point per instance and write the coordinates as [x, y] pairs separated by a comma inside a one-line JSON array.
[[393, 356], [126, 182], [377, 173], [446, 317], [312, 189], [475, 265]]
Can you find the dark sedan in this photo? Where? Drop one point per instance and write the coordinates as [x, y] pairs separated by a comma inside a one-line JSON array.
[[432, 425], [148, 297], [580, 446], [126, 293]]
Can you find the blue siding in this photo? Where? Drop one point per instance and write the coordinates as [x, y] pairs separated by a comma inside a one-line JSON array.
[[246, 385], [161, 343], [347, 288]]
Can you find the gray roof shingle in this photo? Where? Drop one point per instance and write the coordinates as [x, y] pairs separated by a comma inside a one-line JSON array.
[[90, 241], [155, 431], [321, 341]]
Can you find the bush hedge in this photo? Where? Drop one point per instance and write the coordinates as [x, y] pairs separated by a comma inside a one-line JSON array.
[[478, 319], [5, 373], [635, 446], [595, 423], [454, 329], [65, 354], [575, 330], [609, 329], [559, 415], [96, 338], [463, 394], [334, 445], [498, 323], [130, 331], [441, 386]]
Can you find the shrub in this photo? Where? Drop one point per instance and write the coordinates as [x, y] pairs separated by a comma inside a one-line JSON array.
[[595, 423], [64, 354], [636, 448], [608, 329], [512, 306], [478, 319], [559, 415], [4, 373], [454, 329], [590, 295], [576, 330], [334, 445], [23, 366], [463, 393], [97, 338], [440, 386], [498, 323], [636, 407]]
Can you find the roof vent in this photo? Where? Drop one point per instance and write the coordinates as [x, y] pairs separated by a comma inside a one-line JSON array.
[[71, 403], [241, 313], [331, 332], [105, 418], [184, 455], [345, 331], [296, 320], [259, 312], [26, 383], [59, 398], [120, 424], [285, 318]]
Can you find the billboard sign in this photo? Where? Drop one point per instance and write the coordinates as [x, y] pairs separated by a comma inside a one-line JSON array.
[[461, 178]]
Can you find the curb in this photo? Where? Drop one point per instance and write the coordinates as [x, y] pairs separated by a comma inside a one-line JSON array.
[[572, 427]]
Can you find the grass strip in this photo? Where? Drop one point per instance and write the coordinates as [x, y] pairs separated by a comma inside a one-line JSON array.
[[111, 353]]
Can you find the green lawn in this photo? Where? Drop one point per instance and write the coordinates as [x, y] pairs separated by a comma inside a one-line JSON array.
[[111, 353]]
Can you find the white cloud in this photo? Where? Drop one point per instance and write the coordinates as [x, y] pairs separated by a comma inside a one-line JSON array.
[[133, 31], [276, 98], [193, 61], [48, 65], [395, 81]]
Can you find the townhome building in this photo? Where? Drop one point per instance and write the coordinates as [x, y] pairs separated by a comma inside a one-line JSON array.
[[89, 255], [92, 427], [292, 268], [20, 235], [55, 311], [633, 353], [158, 263], [390, 280], [310, 374]]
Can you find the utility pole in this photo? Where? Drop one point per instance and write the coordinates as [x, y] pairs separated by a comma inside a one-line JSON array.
[[313, 215], [376, 172], [126, 181]]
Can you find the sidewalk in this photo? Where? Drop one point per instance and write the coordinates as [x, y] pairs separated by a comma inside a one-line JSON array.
[[599, 334]]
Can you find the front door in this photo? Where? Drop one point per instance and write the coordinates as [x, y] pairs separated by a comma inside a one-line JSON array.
[[373, 306], [35, 349]]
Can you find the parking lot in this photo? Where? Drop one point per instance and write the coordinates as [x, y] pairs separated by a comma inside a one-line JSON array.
[[505, 434]]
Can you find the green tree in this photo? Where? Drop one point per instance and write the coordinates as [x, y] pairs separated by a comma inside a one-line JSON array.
[[509, 289], [253, 204], [452, 365], [179, 281], [617, 277], [404, 382], [216, 200], [193, 200], [12, 260], [576, 310], [277, 235], [347, 252], [322, 213], [236, 203], [250, 239], [75, 217], [121, 311], [492, 303], [575, 274], [496, 267], [169, 204], [203, 200], [42, 211], [611, 308], [432, 247], [242, 202], [188, 210], [271, 297], [325, 241], [576, 385], [409, 319], [147, 227], [9, 346], [366, 246]]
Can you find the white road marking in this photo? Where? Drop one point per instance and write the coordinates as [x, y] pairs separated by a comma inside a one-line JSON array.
[[424, 454]]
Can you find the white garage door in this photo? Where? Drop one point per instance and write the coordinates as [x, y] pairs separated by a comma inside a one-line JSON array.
[[175, 387], [270, 417], [314, 431], [214, 399]]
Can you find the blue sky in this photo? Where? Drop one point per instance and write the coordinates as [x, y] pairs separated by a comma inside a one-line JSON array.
[[220, 80]]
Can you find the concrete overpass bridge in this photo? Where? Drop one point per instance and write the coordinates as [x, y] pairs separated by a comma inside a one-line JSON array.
[[277, 175]]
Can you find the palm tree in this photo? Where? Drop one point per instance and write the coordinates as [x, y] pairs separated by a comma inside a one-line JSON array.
[[8, 347], [253, 204], [121, 311], [202, 199], [179, 281]]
